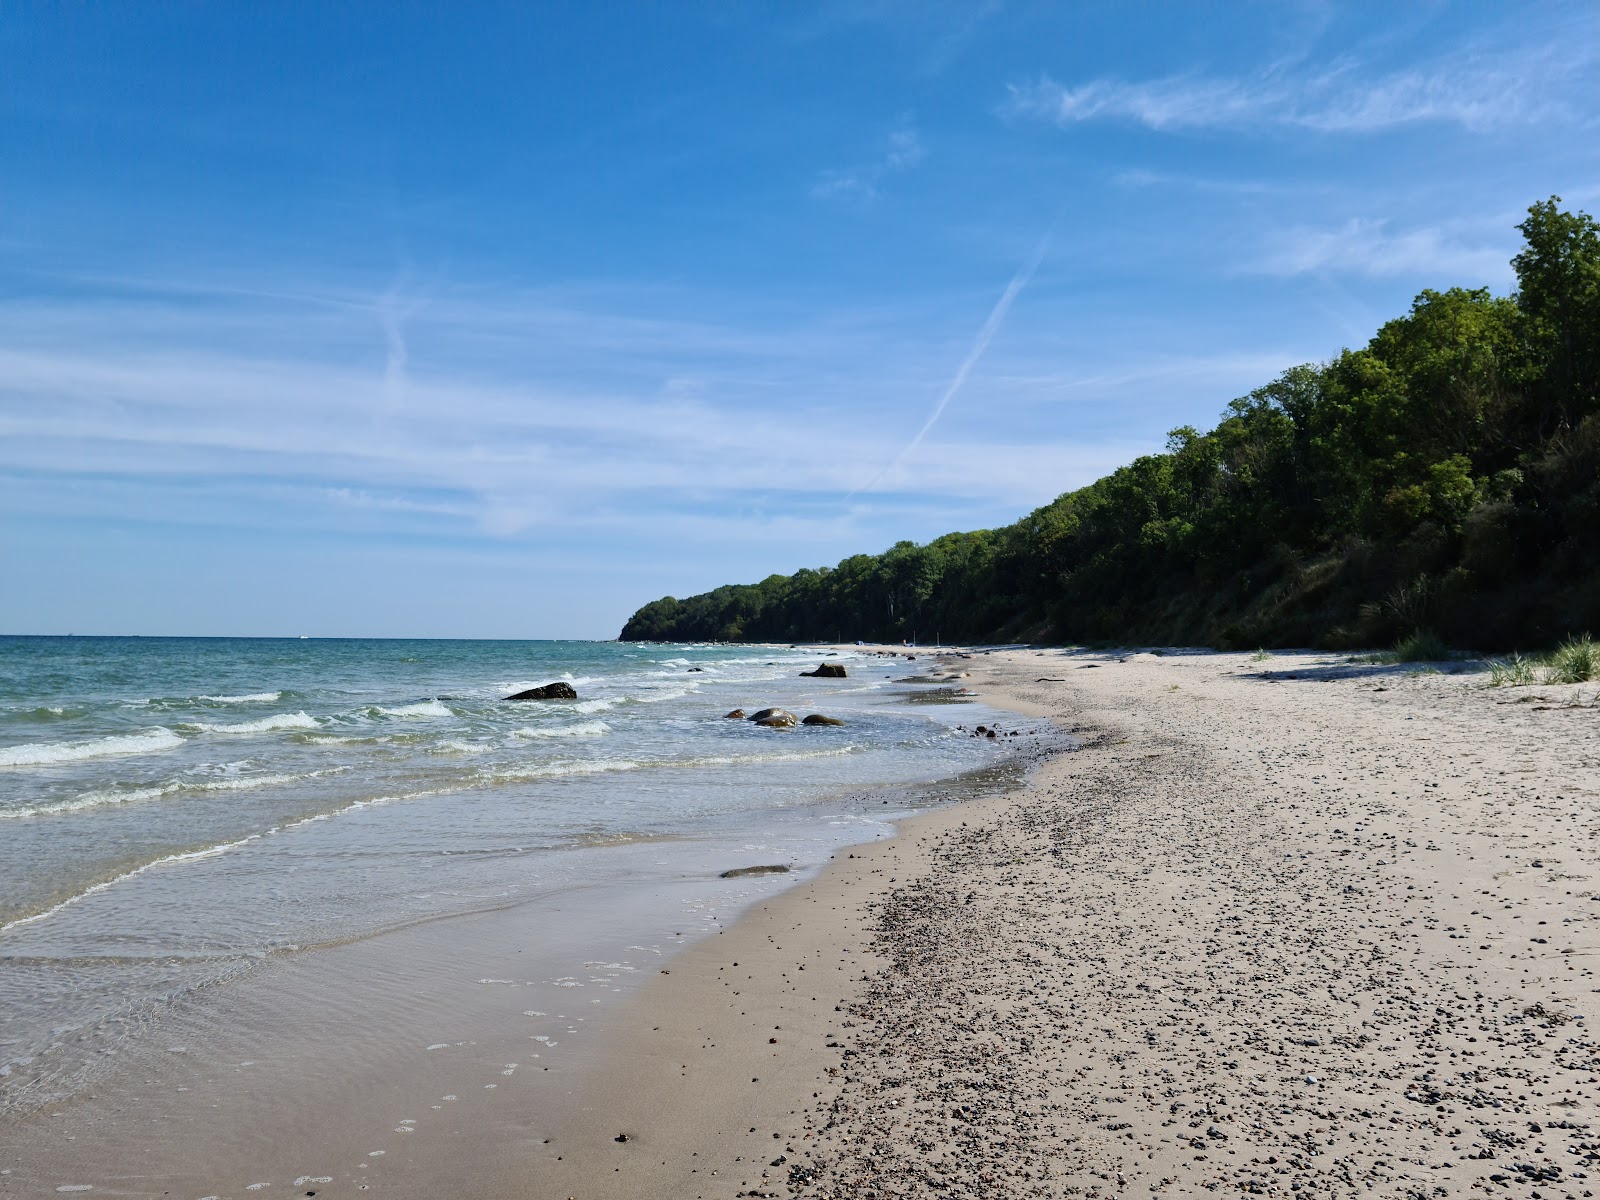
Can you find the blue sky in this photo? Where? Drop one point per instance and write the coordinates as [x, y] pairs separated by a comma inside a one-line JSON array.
[[499, 321]]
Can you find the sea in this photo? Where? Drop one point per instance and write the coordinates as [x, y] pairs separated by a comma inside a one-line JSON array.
[[177, 814]]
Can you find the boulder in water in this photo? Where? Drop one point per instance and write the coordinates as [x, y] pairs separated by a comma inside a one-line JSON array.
[[770, 712], [777, 718], [736, 715], [826, 671], [819, 719], [741, 872], [550, 691]]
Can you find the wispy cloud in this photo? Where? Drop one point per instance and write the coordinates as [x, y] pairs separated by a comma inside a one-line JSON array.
[[1369, 247], [491, 417], [1477, 89], [903, 149], [980, 344]]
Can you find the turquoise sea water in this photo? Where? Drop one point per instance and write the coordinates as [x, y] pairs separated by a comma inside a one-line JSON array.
[[173, 811]]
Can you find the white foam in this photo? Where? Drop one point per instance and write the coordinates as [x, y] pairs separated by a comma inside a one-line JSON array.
[[190, 856], [423, 708], [456, 746], [594, 706], [297, 720], [656, 697], [252, 698], [231, 783], [593, 766], [582, 729], [34, 754]]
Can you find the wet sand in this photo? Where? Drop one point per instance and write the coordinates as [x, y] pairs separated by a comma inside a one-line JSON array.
[[1279, 927]]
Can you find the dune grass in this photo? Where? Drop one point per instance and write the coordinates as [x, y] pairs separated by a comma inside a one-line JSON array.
[[1576, 660], [1421, 646]]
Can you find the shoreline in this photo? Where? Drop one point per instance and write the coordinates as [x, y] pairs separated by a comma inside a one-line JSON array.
[[457, 1028], [1265, 932]]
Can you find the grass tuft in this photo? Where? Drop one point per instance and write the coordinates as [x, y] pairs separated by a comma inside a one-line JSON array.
[[1422, 646], [1576, 660], [1515, 671]]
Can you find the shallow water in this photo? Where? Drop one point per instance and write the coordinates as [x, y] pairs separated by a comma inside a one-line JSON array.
[[176, 812]]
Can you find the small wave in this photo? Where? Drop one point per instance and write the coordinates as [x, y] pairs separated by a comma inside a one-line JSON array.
[[594, 706], [422, 708], [298, 720], [589, 766], [35, 754], [111, 798], [188, 856], [252, 698], [45, 714], [456, 746], [582, 729]]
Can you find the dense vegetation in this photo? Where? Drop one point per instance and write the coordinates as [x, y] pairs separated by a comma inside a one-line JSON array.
[[1444, 478]]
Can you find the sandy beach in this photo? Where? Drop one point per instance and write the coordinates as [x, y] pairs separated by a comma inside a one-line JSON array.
[[1286, 924]]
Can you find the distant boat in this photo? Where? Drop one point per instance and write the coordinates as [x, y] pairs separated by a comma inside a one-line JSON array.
[[302, 637]]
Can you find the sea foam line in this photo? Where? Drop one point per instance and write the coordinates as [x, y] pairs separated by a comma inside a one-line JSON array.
[[187, 856], [252, 698], [107, 799], [422, 708], [34, 754], [297, 720], [582, 729]]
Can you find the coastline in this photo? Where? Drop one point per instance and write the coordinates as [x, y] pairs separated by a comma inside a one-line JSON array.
[[465, 1031], [1277, 926]]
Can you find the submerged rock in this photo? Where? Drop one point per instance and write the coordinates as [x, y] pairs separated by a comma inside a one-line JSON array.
[[741, 872], [736, 715], [826, 671], [819, 719], [550, 691]]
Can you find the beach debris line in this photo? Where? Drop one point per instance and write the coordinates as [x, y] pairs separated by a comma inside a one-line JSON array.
[[550, 691], [741, 872], [825, 671]]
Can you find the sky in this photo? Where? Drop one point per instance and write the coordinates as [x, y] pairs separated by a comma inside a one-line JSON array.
[[483, 320]]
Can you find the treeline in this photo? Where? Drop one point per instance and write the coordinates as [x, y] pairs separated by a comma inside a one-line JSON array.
[[1444, 478]]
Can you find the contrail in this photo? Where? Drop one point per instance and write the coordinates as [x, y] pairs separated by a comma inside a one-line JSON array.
[[985, 335]]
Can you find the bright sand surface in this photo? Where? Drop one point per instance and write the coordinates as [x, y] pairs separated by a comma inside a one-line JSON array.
[[1283, 926]]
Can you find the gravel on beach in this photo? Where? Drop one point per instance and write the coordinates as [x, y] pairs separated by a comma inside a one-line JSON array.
[[1282, 927]]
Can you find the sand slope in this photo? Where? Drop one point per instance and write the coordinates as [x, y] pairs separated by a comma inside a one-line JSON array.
[[1283, 926]]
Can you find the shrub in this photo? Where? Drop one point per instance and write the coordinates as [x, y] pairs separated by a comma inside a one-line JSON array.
[[1576, 660]]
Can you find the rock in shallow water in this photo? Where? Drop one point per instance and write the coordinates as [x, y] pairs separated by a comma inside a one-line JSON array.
[[550, 691], [741, 872], [819, 719], [825, 671], [736, 715], [766, 714]]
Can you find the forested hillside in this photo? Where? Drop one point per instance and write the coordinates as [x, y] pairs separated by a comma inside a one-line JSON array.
[[1443, 478]]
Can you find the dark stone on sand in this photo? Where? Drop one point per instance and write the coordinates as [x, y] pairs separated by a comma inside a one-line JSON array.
[[819, 719], [736, 715], [825, 671], [550, 691], [741, 872]]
